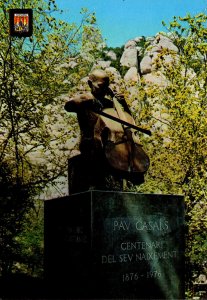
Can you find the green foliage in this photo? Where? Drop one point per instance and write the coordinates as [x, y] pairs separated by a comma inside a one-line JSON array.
[[177, 114], [14, 204], [30, 242], [34, 72], [34, 129]]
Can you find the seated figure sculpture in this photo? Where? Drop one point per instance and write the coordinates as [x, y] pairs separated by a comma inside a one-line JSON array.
[[105, 159]]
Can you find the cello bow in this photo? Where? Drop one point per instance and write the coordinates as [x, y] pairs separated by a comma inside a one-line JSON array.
[[146, 131]]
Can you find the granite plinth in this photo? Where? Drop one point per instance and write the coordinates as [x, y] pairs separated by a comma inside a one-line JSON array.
[[115, 245]]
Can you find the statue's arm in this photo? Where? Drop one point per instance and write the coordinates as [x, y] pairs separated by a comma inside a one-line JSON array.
[[79, 102]]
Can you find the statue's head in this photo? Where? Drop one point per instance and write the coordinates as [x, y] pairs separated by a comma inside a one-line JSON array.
[[99, 83]]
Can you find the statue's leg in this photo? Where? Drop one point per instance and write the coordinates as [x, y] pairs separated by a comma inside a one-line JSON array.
[[78, 175]]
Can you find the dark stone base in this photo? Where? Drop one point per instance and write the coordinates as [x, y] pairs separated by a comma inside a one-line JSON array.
[[19, 286], [114, 245]]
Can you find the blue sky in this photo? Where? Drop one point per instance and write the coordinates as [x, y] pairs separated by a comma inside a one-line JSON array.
[[121, 20]]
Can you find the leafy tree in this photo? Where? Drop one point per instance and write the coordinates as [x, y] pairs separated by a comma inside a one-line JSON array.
[[177, 114], [30, 241], [35, 132], [14, 204]]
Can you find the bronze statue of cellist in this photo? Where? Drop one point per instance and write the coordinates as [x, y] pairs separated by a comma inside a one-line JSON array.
[[109, 148]]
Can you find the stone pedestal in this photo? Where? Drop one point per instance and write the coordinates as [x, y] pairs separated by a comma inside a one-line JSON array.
[[115, 245]]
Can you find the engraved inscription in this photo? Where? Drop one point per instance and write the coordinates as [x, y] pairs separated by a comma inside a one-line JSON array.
[[133, 276], [74, 234], [141, 245], [140, 225], [145, 248], [135, 257]]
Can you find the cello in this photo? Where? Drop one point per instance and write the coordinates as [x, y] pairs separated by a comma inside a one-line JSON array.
[[115, 129]]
